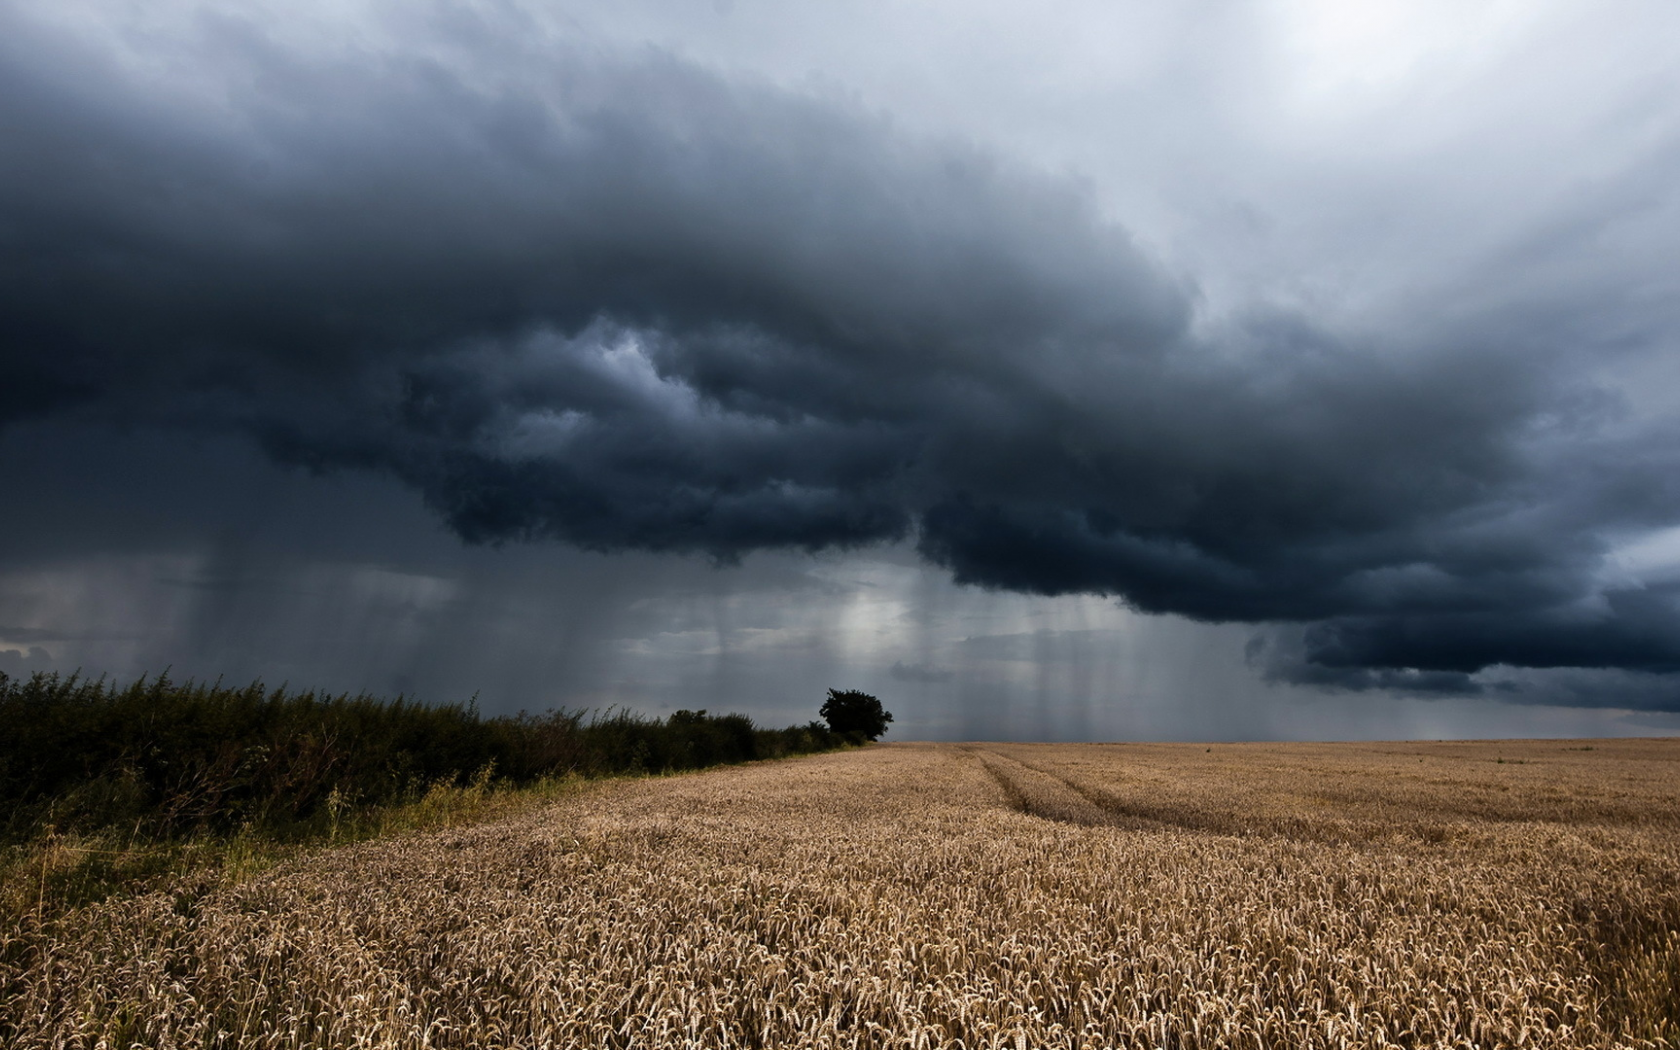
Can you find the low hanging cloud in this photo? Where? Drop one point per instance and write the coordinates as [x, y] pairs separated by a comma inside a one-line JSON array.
[[621, 301]]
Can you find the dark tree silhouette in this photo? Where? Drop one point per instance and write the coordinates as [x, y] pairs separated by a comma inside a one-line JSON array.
[[849, 711]]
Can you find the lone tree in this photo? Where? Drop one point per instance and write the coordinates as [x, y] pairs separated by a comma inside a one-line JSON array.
[[849, 711]]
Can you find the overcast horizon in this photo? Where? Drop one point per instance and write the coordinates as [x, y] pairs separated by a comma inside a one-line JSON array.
[[1271, 370]]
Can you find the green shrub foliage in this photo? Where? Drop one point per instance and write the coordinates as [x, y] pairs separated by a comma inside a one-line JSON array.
[[162, 758]]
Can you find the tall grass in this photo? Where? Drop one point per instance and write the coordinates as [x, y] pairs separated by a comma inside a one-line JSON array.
[[103, 785]]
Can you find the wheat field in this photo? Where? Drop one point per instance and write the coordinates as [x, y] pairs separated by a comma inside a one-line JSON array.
[[939, 895]]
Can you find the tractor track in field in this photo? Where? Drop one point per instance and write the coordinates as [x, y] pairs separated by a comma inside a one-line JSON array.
[[1037, 792]]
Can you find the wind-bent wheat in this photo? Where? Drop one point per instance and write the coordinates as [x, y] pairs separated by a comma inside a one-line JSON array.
[[1480, 894]]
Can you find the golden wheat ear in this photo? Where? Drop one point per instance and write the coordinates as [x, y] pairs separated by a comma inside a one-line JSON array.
[[935, 895]]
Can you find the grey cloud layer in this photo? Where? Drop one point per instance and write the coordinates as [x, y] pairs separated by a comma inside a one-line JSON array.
[[625, 302]]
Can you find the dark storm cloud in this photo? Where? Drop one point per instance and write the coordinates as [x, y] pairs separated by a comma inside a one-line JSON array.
[[625, 302], [904, 672], [16, 663]]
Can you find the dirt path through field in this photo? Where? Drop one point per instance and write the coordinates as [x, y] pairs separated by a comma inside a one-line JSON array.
[[916, 895]]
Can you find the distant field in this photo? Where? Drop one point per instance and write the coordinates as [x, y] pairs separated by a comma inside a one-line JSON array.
[[910, 895]]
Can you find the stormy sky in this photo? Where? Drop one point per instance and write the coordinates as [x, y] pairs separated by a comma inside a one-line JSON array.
[[1223, 370]]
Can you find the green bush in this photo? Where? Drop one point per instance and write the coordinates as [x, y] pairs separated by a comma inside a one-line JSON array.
[[159, 758]]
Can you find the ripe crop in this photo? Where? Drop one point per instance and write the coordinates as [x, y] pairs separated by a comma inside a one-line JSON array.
[[923, 895]]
